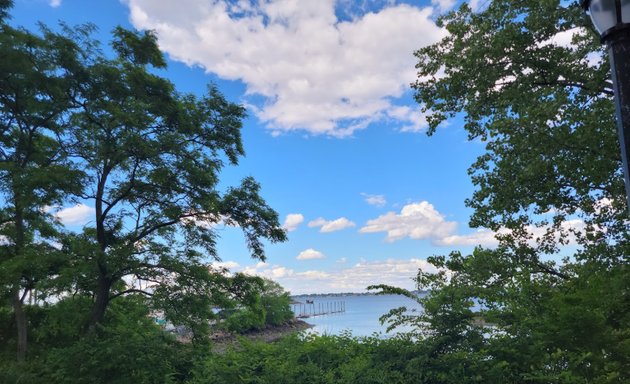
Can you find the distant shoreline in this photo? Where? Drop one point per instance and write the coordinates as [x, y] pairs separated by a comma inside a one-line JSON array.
[[337, 294]]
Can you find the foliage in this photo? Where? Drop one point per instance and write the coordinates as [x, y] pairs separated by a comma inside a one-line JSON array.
[[77, 126], [268, 304], [276, 302], [551, 172], [35, 171], [245, 319], [550, 176], [328, 359], [128, 346], [153, 158]]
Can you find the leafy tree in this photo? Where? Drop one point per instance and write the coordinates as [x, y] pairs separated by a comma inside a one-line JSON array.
[[264, 303], [152, 157], [78, 126], [550, 176], [34, 168], [546, 115], [276, 302]]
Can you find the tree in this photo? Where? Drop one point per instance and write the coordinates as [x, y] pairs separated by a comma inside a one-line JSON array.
[[263, 303], [277, 303], [77, 126], [550, 176], [34, 168], [152, 157], [545, 112]]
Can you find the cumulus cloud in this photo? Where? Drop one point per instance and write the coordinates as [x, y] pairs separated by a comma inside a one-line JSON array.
[[487, 238], [310, 254], [332, 225], [415, 119], [226, 264], [421, 221], [443, 5], [281, 273], [565, 39], [483, 237], [355, 278], [79, 214], [293, 221], [210, 221], [376, 200], [314, 71], [416, 221]]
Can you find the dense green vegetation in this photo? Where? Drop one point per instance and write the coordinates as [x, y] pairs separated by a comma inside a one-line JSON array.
[[128, 345], [268, 304], [550, 177], [75, 124], [78, 126]]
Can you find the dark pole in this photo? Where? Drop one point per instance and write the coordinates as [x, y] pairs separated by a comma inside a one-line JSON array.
[[619, 52]]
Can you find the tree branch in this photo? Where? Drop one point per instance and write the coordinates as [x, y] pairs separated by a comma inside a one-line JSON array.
[[130, 290]]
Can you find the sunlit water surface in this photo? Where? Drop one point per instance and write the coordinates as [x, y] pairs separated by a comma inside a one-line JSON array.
[[361, 315]]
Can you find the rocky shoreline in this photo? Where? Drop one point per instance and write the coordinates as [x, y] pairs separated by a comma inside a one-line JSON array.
[[221, 340]]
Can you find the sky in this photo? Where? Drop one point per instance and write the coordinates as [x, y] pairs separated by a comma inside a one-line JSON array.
[[333, 133]]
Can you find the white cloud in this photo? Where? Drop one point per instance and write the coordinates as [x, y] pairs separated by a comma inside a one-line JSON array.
[[79, 214], [54, 3], [343, 260], [487, 238], [310, 254], [293, 221], [416, 120], [376, 200], [274, 272], [314, 71], [564, 38], [484, 237], [443, 5], [417, 221], [313, 275], [421, 221], [211, 221], [355, 278], [226, 264], [332, 225]]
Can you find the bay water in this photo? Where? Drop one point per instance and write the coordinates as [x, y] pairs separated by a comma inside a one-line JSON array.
[[357, 314]]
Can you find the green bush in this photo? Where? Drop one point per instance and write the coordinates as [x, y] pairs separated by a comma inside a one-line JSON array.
[[245, 319], [128, 348], [269, 305], [277, 308], [313, 359]]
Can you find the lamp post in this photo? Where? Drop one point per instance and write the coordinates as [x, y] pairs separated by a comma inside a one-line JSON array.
[[612, 20]]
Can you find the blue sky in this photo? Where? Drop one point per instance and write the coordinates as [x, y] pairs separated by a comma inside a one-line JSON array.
[[333, 134]]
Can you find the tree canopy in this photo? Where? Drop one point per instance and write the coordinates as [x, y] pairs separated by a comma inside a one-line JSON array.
[[79, 126], [550, 303], [532, 81]]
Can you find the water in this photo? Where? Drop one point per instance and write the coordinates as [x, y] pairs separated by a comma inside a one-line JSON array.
[[361, 316]]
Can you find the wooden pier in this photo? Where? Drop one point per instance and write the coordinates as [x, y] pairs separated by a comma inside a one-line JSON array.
[[317, 308]]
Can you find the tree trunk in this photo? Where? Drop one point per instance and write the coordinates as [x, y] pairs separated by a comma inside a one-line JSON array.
[[20, 321], [18, 307], [101, 301]]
